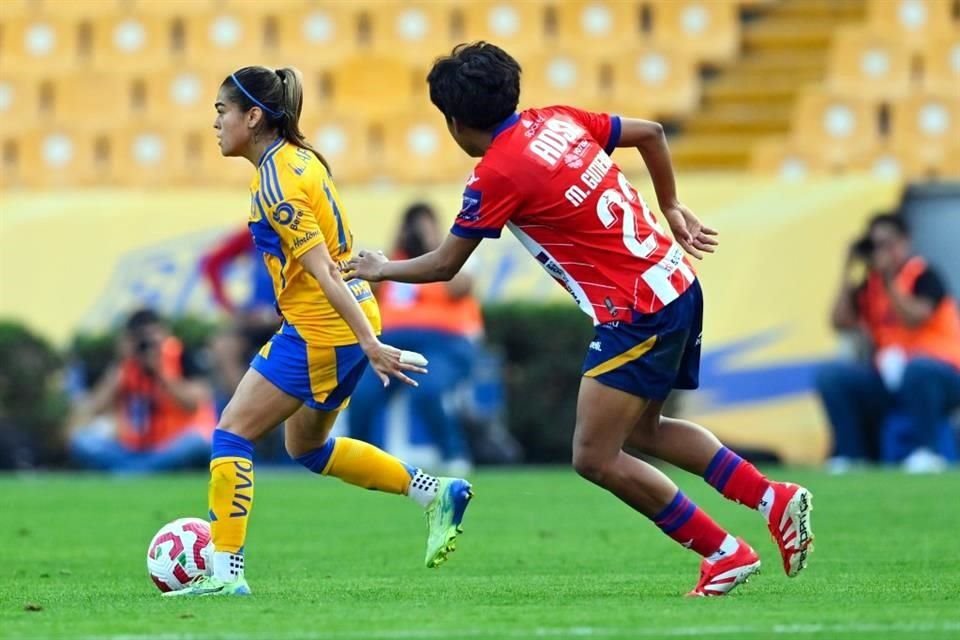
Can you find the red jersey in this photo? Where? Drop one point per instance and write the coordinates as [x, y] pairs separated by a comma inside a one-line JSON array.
[[548, 177]]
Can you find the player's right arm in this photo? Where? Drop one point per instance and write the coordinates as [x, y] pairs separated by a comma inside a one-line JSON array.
[[844, 315], [98, 402], [650, 140]]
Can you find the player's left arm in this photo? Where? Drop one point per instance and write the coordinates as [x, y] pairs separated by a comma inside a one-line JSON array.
[[914, 308], [439, 265], [650, 140]]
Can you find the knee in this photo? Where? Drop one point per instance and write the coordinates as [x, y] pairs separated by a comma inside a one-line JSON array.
[[590, 464], [316, 460]]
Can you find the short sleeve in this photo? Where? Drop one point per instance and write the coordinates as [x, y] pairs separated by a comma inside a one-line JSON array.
[[930, 286], [295, 221], [490, 199], [602, 127]]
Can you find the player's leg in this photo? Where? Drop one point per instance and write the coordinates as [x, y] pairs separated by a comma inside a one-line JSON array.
[[336, 374], [257, 407], [605, 417]]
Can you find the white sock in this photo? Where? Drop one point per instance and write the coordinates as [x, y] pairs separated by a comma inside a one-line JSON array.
[[423, 488], [727, 548], [227, 566], [766, 503]]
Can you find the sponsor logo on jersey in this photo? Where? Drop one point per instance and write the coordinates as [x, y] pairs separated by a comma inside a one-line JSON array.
[[595, 346], [283, 214], [473, 178], [470, 207], [304, 239]]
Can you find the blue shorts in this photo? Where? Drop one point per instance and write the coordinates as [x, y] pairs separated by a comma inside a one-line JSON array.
[[652, 354], [322, 377]]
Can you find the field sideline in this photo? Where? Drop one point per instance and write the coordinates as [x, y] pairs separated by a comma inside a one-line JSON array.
[[545, 555]]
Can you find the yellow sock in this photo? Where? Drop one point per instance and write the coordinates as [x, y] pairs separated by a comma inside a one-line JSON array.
[[231, 499], [364, 465]]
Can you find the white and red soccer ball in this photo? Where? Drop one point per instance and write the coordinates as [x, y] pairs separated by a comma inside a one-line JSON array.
[[181, 551]]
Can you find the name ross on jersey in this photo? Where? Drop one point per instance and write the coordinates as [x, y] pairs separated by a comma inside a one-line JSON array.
[[553, 142]]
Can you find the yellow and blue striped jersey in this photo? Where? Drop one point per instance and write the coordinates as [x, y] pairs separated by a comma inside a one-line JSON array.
[[294, 207]]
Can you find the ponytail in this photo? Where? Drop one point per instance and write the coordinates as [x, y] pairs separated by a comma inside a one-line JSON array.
[[292, 104], [279, 95]]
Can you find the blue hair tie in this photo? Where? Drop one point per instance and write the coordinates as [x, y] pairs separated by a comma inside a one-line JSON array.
[[270, 112]]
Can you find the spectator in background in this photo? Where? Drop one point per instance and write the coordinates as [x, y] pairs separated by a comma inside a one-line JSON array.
[[441, 320], [161, 416], [253, 322], [914, 326]]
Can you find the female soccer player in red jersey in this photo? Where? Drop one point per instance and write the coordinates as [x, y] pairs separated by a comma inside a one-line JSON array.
[[546, 174]]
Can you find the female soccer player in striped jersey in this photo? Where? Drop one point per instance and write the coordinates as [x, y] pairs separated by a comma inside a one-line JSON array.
[[305, 374], [546, 174]]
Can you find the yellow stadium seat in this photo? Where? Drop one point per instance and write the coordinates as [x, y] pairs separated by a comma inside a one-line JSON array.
[[88, 100], [782, 157], [373, 86], [610, 24], [912, 22], [42, 44], [416, 32], [231, 38], [50, 156], [942, 64], [707, 29], [78, 9], [929, 123], [654, 81], [562, 77], [835, 129], [183, 97], [170, 8], [518, 26], [418, 149], [127, 42], [344, 141], [19, 101], [868, 63], [319, 35]]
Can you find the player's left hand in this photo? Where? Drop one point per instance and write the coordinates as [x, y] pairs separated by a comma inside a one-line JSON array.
[[695, 237], [367, 265]]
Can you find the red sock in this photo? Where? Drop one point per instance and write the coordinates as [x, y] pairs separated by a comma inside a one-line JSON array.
[[689, 525], [736, 478]]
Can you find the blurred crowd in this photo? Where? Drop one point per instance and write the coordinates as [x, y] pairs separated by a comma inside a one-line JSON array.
[[893, 401], [155, 406]]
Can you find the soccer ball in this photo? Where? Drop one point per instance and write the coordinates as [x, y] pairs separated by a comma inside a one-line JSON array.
[[180, 552]]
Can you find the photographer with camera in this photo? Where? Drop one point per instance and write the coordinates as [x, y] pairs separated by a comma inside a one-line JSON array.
[[162, 413], [903, 308]]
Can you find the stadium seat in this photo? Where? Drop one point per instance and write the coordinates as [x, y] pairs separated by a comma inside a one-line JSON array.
[[709, 30], [415, 32], [374, 86], [782, 157], [869, 64], [518, 26], [613, 25], [562, 77], [19, 95], [321, 34], [942, 64], [87, 100], [654, 81], [50, 156], [834, 129], [45, 44], [930, 124], [234, 38], [183, 97], [344, 142], [127, 42], [418, 149], [912, 22]]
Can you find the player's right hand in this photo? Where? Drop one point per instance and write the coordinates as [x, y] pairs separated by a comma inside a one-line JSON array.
[[695, 237], [386, 362]]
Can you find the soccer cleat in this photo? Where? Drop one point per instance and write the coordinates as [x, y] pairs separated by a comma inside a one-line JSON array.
[[721, 577], [444, 516], [789, 524], [210, 586]]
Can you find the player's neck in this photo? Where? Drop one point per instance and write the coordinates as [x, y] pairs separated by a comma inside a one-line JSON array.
[[258, 147]]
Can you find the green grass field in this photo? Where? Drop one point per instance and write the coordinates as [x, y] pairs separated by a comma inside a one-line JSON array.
[[545, 555]]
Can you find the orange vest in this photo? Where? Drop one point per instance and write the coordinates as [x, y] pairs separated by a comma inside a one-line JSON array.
[[147, 416], [938, 337], [428, 306]]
